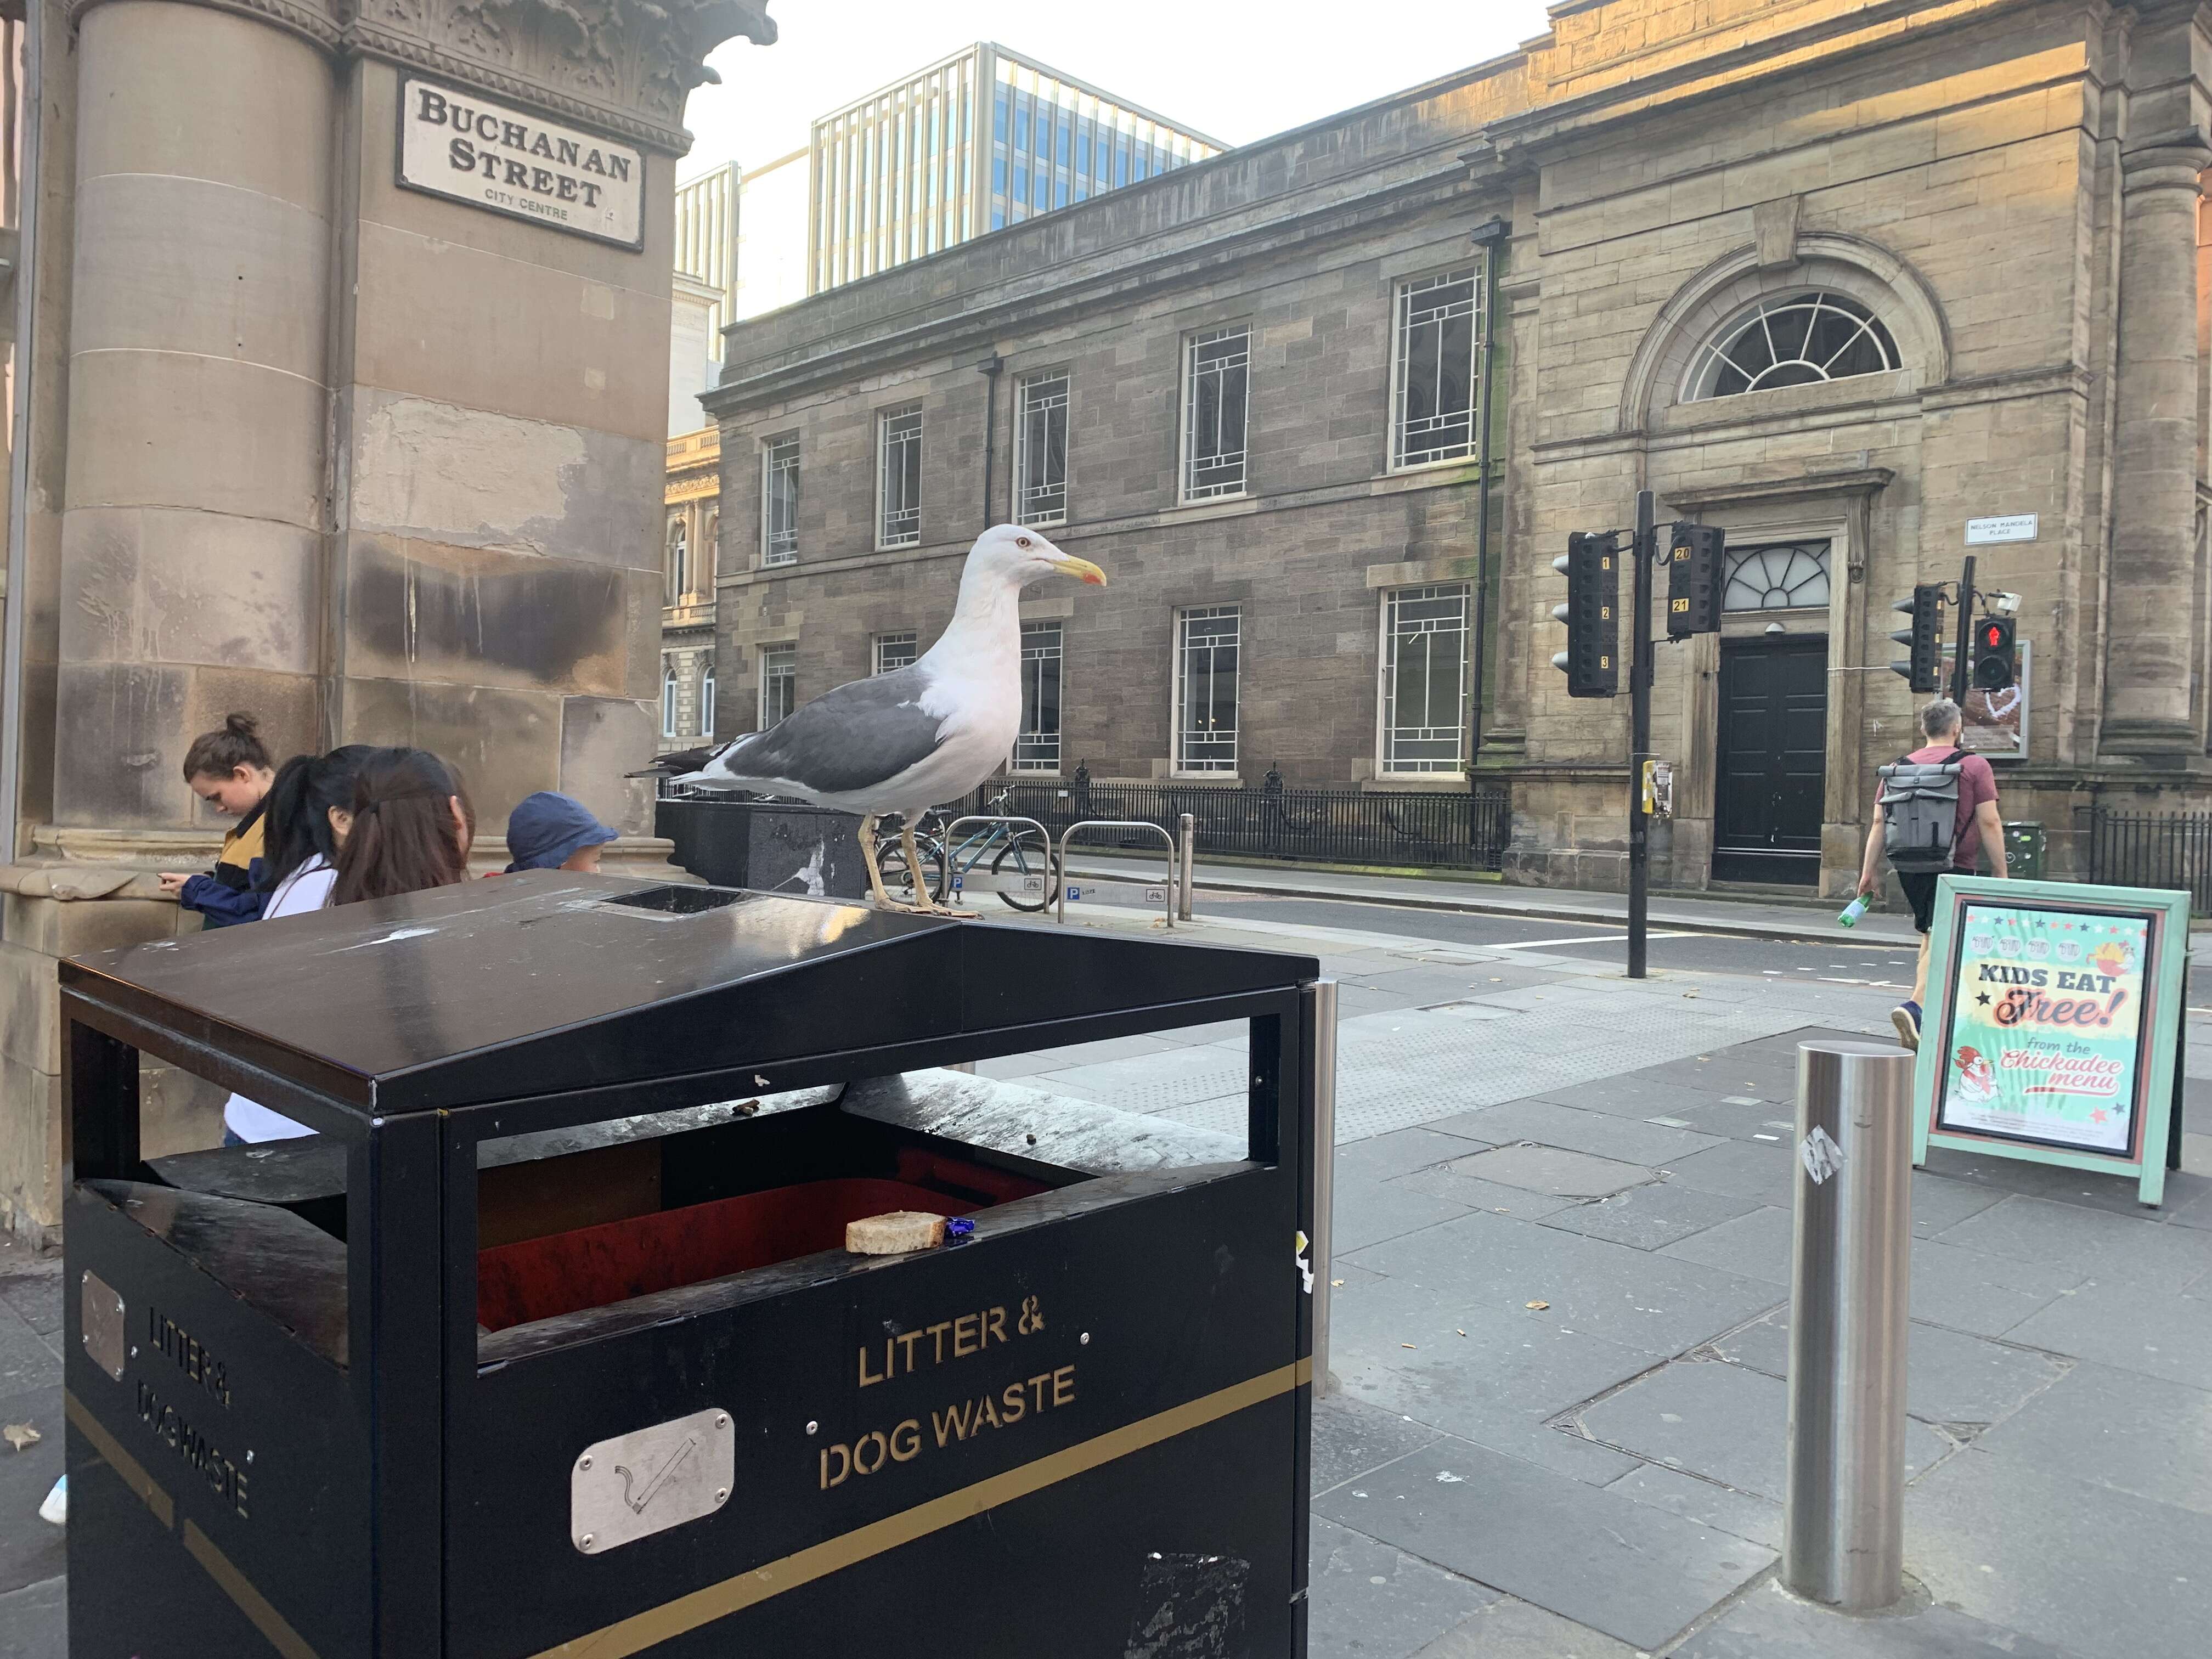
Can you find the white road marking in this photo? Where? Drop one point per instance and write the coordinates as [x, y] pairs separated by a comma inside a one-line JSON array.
[[1600, 938]]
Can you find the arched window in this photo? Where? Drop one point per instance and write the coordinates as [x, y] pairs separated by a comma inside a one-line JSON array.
[[706, 702], [1791, 339], [676, 564], [668, 700]]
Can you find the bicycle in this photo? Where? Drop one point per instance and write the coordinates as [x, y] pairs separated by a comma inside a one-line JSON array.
[[1019, 856]]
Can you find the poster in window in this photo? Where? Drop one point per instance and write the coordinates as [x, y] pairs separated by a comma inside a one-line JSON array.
[[2045, 1043], [1996, 722]]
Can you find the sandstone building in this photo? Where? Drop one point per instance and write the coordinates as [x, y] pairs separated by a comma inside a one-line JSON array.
[[1838, 277], [337, 396]]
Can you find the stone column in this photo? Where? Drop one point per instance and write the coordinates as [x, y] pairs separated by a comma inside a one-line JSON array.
[[2149, 651], [191, 536]]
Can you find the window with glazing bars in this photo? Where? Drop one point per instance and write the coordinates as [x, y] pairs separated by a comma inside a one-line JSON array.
[[1439, 367], [706, 702], [779, 501], [676, 563], [1040, 451], [1206, 641], [894, 651], [1424, 681], [668, 700], [779, 683], [1036, 748], [898, 477], [1215, 366]]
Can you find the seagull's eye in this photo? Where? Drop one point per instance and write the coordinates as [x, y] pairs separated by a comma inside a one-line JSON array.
[[1023, 541]]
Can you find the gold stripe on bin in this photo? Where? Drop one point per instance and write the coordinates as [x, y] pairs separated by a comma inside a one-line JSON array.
[[250, 1602], [703, 1606], [133, 1473]]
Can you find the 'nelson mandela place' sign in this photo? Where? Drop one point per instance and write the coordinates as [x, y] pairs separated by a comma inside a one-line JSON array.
[[456, 144]]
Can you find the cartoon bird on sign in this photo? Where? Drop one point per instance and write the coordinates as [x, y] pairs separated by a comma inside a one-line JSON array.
[[2111, 959], [1977, 1079]]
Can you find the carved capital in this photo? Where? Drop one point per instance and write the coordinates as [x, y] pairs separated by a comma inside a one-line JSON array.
[[624, 66], [621, 66]]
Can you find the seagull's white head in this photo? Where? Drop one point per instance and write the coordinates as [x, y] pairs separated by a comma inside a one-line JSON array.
[[1017, 557]]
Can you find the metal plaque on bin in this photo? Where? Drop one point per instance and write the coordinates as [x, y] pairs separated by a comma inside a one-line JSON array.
[[650, 1480]]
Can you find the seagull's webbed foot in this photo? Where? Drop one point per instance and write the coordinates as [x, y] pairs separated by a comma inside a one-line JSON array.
[[879, 894]]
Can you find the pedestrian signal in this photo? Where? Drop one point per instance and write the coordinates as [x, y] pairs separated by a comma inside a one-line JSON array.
[[1591, 661], [1995, 660]]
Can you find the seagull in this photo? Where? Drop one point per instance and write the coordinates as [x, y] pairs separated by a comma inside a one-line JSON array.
[[902, 742]]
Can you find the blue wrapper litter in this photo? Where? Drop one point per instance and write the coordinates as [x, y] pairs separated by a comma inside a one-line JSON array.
[[958, 1226]]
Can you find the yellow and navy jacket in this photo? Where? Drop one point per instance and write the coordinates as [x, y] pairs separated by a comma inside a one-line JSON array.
[[231, 892]]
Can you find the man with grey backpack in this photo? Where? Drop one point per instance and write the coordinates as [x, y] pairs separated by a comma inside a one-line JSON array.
[[1935, 804]]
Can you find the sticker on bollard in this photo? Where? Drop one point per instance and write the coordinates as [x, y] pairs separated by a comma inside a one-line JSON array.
[[1822, 1156]]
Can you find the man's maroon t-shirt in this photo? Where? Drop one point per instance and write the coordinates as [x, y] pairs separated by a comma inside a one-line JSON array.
[[1977, 783]]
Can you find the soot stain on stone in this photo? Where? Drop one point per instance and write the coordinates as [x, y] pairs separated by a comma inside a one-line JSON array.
[[534, 617]]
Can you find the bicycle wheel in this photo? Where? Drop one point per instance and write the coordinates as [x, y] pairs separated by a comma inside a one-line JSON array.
[[890, 858], [1030, 859]]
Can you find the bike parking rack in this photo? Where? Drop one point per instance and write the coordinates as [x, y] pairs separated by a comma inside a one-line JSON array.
[[1043, 834], [1175, 876]]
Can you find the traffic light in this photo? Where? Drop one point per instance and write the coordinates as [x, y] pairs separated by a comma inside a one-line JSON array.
[[1924, 671], [1591, 661], [1994, 665], [1693, 581]]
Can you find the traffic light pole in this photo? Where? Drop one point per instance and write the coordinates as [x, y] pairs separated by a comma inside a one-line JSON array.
[[1639, 738], [1965, 648]]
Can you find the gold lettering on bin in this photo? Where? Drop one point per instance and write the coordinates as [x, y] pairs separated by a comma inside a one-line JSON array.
[[224, 1477], [904, 1353]]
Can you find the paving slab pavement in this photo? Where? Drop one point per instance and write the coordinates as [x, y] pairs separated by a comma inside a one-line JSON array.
[[1595, 1477]]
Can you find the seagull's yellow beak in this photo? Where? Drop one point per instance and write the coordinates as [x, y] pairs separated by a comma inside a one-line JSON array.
[[1068, 565]]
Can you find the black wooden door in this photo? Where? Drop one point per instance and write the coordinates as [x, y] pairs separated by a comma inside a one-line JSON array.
[[1773, 761]]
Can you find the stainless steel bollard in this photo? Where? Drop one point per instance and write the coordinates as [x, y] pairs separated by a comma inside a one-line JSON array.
[[1842, 1528], [1321, 1006], [1187, 839]]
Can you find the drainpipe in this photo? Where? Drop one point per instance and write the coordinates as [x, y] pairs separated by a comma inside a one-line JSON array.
[[1489, 236], [16, 600], [988, 369]]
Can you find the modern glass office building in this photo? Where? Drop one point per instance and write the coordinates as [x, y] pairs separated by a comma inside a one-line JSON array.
[[982, 140]]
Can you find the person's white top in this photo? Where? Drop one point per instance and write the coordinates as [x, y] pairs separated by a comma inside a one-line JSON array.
[[308, 888]]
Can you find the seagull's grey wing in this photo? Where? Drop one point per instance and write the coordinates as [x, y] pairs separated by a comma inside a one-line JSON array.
[[853, 737]]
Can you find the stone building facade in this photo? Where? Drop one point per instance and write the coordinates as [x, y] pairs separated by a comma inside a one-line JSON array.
[[338, 397], [693, 527], [1047, 372], [1837, 276]]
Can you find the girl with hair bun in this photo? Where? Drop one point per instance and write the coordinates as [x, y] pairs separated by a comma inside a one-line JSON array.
[[228, 768]]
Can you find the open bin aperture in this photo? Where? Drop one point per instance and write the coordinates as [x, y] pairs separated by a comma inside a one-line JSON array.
[[546, 1344]]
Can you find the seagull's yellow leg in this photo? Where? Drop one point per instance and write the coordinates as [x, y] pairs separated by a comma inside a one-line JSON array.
[[928, 905], [876, 890]]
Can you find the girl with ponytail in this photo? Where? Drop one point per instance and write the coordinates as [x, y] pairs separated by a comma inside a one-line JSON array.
[[309, 810]]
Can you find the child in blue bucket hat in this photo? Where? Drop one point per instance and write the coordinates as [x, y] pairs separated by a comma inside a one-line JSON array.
[[548, 831]]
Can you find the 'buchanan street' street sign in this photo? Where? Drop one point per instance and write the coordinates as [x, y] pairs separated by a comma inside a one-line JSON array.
[[456, 144], [2054, 1025]]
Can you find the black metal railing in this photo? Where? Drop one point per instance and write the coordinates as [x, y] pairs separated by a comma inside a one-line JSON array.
[[1455, 832], [2154, 849]]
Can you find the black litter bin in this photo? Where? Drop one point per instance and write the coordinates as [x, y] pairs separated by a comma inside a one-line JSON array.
[[773, 846], [546, 1344]]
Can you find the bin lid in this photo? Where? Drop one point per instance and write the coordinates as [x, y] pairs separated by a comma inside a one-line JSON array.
[[551, 980]]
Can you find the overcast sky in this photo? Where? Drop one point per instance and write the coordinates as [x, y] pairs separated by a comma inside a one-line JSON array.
[[1234, 70]]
